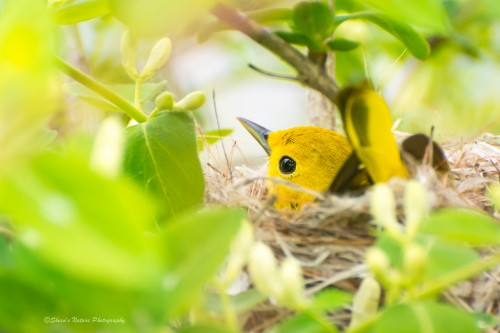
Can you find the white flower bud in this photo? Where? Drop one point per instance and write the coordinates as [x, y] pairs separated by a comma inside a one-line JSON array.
[[494, 195], [157, 58], [191, 101], [263, 270], [365, 302], [383, 208], [240, 249], [416, 206], [165, 101], [378, 262], [107, 153], [128, 49], [293, 285], [414, 262]]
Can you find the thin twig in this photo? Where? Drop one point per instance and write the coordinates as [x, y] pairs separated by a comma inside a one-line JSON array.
[[220, 134], [308, 73], [270, 74]]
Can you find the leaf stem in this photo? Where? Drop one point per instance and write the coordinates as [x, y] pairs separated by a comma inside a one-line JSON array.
[[137, 94], [436, 285], [229, 314], [100, 89]]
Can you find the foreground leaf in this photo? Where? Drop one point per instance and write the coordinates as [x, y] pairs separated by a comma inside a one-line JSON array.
[[195, 246], [415, 42], [425, 317], [162, 156], [463, 225]]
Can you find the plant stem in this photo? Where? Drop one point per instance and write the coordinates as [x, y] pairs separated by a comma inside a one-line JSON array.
[[433, 287], [100, 89], [137, 95], [229, 314]]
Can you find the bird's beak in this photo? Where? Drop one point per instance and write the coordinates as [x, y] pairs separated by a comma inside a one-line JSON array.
[[258, 132]]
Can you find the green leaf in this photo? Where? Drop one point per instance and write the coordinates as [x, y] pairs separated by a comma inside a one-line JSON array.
[[340, 44], [444, 258], [415, 42], [392, 248], [424, 317], [330, 299], [127, 91], [428, 14], [155, 18], [303, 323], [162, 156], [212, 137], [75, 11], [465, 226], [205, 328], [294, 38], [313, 19], [195, 246], [80, 222], [240, 303]]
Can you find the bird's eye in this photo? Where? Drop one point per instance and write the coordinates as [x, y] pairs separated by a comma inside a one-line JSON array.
[[287, 165]]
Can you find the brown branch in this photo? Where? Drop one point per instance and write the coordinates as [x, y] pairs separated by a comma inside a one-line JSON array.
[[308, 73]]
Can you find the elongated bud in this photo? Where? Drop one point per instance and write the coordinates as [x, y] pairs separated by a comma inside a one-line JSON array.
[[240, 249], [263, 270], [494, 195], [416, 206], [293, 285], [165, 101], [378, 262], [106, 156], [128, 49], [157, 58], [414, 262], [191, 101], [383, 208], [365, 302]]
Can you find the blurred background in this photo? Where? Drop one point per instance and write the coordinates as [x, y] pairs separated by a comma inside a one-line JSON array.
[[455, 89]]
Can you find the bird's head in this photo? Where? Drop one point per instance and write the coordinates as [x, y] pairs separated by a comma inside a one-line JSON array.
[[307, 156]]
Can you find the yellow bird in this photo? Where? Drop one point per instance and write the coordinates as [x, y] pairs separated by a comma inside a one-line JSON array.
[[307, 156], [320, 159]]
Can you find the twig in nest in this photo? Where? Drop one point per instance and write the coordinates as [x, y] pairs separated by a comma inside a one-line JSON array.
[[278, 76], [308, 73]]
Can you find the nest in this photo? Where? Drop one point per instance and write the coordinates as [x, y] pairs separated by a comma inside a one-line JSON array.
[[329, 237]]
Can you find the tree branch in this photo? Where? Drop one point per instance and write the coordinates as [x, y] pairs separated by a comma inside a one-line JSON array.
[[308, 73]]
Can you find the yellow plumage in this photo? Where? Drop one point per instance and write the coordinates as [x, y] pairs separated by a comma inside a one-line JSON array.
[[318, 154]]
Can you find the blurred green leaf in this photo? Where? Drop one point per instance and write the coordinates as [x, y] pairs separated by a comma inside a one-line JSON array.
[[80, 222], [392, 248], [350, 67], [424, 317], [341, 44], [443, 258], [313, 19], [330, 299], [126, 90], [294, 38], [303, 323], [204, 328], [195, 246], [158, 17], [428, 14], [415, 42], [75, 11], [240, 302], [212, 137], [162, 156], [463, 225]]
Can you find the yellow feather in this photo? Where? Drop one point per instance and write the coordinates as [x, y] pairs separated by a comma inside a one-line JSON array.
[[368, 122]]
